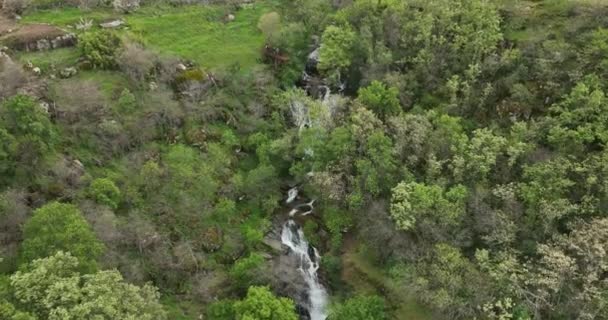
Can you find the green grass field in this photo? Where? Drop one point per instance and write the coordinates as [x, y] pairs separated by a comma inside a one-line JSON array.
[[195, 32]]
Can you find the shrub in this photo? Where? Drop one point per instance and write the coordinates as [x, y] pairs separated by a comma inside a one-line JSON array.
[[104, 191], [269, 24], [125, 6], [126, 102], [100, 48], [136, 62], [60, 227]]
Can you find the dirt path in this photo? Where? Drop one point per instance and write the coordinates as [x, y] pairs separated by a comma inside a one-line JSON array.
[[6, 24]]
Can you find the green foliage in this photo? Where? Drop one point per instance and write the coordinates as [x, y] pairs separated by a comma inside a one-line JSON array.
[[413, 201], [126, 102], [9, 312], [270, 25], [383, 100], [261, 304], [449, 282], [245, 271], [100, 48], [7, 153], [22, 116], [52, 288], [221, 310], [28, 137], [104, 191], [360, 308], [337, 222], [335, 55], [60, 227], [579, 121]]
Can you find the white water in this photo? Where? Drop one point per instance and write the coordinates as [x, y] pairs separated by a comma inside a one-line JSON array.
[[292, 194], [293, 237]]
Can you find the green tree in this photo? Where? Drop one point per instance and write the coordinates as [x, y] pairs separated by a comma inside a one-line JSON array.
[[412, 202], [335, 55], [261, 304], [245, 271], [579, 122], [381, 99], [29, 134], [60, 227], [360, 308], [104, 191], [52, 288]]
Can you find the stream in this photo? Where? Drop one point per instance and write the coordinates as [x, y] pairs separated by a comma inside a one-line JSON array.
[[293, 237]]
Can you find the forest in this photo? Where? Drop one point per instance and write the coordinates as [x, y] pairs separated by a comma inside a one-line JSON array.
[[303, 159]]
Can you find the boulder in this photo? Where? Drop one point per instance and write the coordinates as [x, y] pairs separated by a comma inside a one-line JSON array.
[[43, 45], [152, 86], [273, 244], [112, 24]]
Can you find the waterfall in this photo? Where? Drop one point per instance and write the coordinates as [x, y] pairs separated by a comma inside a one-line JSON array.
[[293, 237], [292, 194]]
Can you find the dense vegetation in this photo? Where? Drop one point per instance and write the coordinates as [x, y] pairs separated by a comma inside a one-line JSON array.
[[460, 167]]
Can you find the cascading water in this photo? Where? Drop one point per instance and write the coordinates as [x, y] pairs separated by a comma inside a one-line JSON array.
[[293, 237]]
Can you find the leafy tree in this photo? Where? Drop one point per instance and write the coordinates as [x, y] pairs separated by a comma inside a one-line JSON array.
[[412, 202], [52, 288], [104, 191], [246, 271], [28, 134], [449, 282], [261, 304], [360, 308], [579, 121], [100, 48], [335, 55], [383, 100], [480, 155], [60, 227], [571, 266]]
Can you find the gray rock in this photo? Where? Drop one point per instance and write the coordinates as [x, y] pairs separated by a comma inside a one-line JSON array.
[[43, 44], [274, 244], [44, 106], [112, 24]]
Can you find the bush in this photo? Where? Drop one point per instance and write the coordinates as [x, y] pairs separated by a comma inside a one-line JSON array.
[[125, 6], [270, 25], [104, 191], [126, 102], [60, 227], [100, 48], [137, 62]]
